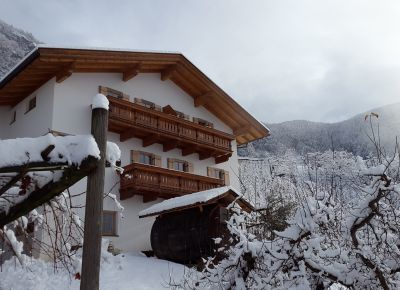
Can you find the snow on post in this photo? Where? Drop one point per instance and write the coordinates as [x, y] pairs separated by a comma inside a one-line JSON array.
[[100, 101]]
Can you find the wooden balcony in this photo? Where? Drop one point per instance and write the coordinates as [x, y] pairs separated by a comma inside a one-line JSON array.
[[132, 120], [152, 182]]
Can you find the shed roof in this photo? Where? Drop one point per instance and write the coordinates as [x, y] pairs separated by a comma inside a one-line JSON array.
[[45, 63], [226, 194]]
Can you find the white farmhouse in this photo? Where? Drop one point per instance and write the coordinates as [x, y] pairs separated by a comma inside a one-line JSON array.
[[177, 130]]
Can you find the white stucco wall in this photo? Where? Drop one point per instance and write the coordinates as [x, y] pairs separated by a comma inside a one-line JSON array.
[[69, 111], [34, 123]]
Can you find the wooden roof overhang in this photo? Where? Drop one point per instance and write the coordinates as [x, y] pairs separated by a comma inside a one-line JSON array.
[[45, 63], [223, 200]]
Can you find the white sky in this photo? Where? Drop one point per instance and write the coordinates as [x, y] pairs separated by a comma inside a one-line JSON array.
[[319, 60]]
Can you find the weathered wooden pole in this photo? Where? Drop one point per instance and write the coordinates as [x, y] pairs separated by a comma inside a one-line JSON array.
[[94, 199]]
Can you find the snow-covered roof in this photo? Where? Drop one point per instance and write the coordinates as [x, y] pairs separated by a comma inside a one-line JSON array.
[[194, 200]]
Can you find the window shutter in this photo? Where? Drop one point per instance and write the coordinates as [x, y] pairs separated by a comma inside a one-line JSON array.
[[190, 167], [103, 90], [109, 224], [157, 160], [135, 156], [170, 163], [226, 177], [210, 172]]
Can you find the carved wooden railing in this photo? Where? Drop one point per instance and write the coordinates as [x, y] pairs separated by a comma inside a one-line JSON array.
[[145, 179], [168, 125]]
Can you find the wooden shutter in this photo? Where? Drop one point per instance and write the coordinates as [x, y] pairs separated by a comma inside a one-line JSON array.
[[135, 156], [226, 177], [190, 167], [210, 172], [103, 90], [170, 164], [157, 160], [113, 93]]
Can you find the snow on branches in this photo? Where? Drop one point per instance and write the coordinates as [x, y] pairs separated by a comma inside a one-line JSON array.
[[345, 231]]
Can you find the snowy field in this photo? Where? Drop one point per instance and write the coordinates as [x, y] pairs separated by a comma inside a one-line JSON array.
[[123, 272]]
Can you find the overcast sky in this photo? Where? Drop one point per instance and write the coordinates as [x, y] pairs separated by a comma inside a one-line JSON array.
[[281, 60]]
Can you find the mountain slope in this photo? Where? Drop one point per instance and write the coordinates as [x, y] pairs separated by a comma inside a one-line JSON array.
[[350, 135], [14, 45]]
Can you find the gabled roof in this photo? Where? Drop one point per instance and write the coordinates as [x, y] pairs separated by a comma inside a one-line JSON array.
[[45, 63], [225, 195]]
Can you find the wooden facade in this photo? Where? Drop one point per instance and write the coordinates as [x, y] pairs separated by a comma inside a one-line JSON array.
[[187, 236], [186, 232], [152, 182]]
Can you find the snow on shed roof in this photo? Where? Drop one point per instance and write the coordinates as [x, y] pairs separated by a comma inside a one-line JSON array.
[[196, 199]]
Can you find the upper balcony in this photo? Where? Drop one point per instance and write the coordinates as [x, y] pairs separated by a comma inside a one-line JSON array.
[[152, 182], [133, 120]]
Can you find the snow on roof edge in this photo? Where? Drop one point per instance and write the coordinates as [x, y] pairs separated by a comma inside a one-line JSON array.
[[196, 198], [105, 48], [82, 48]]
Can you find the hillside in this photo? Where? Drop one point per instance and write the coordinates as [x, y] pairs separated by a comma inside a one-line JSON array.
[[349, 135], [14, 45]]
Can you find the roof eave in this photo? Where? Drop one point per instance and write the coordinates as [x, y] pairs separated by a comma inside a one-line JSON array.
[[20, 66]]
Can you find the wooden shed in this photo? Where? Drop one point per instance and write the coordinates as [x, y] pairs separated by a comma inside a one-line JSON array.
[[186, 226]]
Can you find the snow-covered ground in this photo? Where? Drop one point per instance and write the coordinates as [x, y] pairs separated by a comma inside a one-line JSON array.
[[123, 272]]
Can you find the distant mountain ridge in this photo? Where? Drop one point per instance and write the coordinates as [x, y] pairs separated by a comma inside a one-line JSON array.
[[349, 135], [14, 45]]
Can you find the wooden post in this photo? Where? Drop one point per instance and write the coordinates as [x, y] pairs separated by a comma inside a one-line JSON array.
[[94, 206]]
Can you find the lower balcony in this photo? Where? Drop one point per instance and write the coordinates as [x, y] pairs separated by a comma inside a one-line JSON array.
[[152, 182]]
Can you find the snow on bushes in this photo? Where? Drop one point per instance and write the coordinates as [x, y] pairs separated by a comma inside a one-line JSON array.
[[58, 218], [345, 231]]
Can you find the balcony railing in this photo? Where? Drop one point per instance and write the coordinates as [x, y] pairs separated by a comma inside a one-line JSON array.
[[152, 182], [133, 120]]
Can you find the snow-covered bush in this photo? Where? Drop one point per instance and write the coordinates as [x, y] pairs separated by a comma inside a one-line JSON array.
[[353, 243], [345, 231]]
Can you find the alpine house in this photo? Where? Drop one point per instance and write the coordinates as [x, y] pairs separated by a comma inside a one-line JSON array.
[[177, 130]]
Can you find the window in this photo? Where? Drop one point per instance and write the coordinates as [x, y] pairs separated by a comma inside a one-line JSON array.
[[109, 223], [145, 158], [31, 105], [108, 92], [169, 110], [147, 104], [180, 165], [13, 117], [182, 115], [218, 173], [203, 122]]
